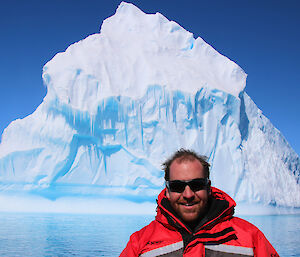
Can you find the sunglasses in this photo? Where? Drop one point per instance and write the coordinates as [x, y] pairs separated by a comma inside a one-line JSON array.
[[178, 186]]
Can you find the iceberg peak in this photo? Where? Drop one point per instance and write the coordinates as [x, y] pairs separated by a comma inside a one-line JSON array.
[[133, 51]]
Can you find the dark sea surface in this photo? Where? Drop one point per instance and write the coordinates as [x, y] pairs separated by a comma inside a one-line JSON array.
[[106, 235]]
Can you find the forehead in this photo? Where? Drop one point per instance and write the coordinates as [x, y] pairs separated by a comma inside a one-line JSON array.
[[186, 170]]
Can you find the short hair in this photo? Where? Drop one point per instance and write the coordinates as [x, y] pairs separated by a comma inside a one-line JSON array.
[[185, 155]]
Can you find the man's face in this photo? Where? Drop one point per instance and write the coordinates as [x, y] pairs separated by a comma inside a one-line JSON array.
[[188, 205]]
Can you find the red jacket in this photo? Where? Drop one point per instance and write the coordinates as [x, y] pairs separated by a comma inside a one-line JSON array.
[[217, 234]]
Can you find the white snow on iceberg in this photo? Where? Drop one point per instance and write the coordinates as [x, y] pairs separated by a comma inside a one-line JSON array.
[[121, 101]]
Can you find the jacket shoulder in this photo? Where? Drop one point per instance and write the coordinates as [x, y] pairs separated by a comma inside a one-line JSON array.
[[249, 235], [137, 241], [244, 224], [245, 228], [155, 235]]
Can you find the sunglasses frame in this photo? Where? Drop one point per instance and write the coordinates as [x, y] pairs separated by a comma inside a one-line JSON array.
[[184, 183]]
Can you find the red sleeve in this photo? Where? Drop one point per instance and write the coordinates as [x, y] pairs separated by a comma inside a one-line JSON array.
[[132, 247], [262, 247]]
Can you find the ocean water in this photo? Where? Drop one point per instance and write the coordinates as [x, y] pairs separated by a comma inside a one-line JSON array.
[[106, 235]]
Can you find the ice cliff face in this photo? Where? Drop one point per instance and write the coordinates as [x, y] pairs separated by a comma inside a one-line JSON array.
[[121, 101]]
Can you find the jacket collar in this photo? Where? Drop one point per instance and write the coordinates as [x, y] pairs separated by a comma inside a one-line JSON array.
[[221, 206]]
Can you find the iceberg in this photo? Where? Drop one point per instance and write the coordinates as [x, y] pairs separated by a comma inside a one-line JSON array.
[[119, 102]]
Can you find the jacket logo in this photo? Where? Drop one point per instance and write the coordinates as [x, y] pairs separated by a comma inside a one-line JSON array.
[[154, 242]]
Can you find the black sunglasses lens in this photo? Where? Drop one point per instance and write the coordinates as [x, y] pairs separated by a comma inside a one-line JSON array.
[[177, 186], [197, 184]]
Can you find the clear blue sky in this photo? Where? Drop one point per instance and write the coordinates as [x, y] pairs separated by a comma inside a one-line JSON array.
[[261, 36]]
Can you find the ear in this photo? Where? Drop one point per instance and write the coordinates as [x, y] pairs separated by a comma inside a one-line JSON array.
[[167, 193], [208, 188]]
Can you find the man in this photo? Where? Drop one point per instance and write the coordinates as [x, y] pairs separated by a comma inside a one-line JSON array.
[[195, 219]]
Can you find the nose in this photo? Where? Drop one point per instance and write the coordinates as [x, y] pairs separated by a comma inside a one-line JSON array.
[[188, 193]]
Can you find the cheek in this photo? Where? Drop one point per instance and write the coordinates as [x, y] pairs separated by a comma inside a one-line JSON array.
[[203, 195], [172, 196]]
